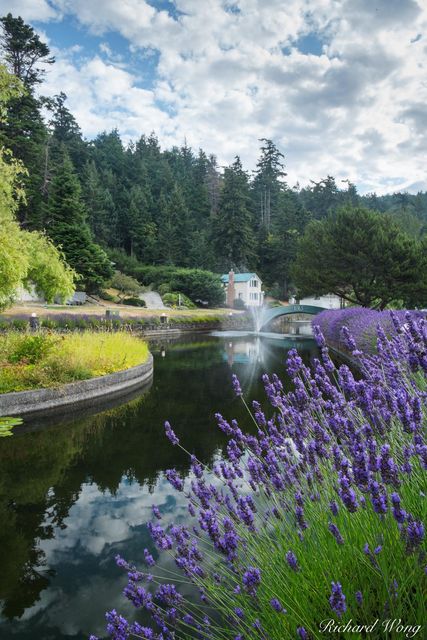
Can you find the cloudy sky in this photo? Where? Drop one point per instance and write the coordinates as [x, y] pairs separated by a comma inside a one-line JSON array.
[[339, 85]]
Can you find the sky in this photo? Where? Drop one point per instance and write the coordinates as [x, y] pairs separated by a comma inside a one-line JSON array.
[[339, 85]]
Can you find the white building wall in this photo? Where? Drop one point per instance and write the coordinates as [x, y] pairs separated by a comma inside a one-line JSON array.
[[328, 301], [251, 295]]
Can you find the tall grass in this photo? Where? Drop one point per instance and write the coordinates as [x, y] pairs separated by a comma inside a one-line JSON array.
[[32, 361]]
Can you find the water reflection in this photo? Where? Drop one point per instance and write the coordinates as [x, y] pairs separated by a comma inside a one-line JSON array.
[[78, 491]]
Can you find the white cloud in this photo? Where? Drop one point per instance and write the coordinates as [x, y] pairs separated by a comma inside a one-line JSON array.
[[223, 81], [29, 9]]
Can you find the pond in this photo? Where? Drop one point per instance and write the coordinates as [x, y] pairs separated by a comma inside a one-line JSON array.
[[78, 490]]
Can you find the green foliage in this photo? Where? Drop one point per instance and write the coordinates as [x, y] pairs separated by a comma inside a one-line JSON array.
[[69, 230], [6, 425], [44, 360], [31, 349], [134, 302], [363, 257], [177, 300], [126, 285], [197, 284], [239, 304], [233, 235], [24, 257], [108, 297]]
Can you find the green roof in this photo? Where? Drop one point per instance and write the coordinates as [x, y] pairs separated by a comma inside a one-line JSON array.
[[239, 277]]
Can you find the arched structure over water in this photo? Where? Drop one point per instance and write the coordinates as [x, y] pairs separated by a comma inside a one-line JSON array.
[[276, 312]]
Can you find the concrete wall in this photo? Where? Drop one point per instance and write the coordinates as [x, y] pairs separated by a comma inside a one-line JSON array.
[[29, 402]]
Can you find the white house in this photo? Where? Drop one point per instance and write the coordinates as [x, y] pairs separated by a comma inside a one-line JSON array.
[[243, 286], [327, 301]]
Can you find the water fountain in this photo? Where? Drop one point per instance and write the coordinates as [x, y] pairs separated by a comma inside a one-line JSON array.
[[259, 316]]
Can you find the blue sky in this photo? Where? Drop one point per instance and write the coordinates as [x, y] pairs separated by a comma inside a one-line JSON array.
[[340, 86]]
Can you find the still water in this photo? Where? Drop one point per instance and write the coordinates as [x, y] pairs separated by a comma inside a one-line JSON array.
[[78, 490]]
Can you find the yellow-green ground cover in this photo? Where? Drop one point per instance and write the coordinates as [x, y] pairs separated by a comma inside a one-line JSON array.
[[35, 361]]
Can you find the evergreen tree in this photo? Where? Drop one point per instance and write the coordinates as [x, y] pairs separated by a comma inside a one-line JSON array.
[[24, 131], [362, 256], [174, 231], [279, 249], [68, 228], [233, 236], [65, 131], [25, 258], [322, 198], [268, 182], [100, 206]]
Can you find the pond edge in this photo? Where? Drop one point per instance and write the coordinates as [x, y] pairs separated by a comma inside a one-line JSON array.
[[75, 393]]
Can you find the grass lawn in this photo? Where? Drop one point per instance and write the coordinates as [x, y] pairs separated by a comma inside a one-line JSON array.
[[125, 310], [35, 361]]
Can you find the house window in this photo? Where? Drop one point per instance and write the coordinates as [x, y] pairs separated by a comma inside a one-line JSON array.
[[254, 284], [240, 294]]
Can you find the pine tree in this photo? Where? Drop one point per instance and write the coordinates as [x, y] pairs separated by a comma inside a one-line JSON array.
[[174, 229], [233, 237], [24, 131], [268, 182], [68, 228], [99, 206]]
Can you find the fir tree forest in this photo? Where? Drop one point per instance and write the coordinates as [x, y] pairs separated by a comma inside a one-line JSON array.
[[102, 200]]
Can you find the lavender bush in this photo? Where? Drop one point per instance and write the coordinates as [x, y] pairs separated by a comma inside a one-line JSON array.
[[316, 519], [362, 324]]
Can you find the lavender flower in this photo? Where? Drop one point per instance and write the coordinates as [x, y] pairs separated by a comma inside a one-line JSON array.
[[277, 606], [336, 533], [236, 385], [170, 434], [337, 599], [292, 561], [251, 580]]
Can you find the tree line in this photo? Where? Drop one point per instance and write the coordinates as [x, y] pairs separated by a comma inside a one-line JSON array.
[[100, 198]]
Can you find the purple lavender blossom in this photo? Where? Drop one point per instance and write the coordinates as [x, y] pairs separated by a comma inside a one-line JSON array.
[[336, 533], [236, 385], [156, 512], [337, 600], [174, 479], [292, 561], [277, 606], [170, 434], [302, 633], [251, 580], [149, 558]]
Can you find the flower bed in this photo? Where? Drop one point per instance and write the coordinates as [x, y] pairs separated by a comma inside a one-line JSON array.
[[314, 524], [93, 322], [362, 324], [43, 360]]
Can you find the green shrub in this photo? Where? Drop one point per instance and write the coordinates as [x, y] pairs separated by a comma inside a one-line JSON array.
[[125, 284], [239, 305], [134, 302], [174, 299], [104, 295], [199, 285], [164, 288], [31, 349], [41, 361]]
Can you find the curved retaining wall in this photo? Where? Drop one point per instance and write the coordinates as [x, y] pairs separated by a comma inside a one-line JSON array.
[[75, 393]]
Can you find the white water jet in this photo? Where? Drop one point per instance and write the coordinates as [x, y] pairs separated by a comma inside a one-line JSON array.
[[259, 316]]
